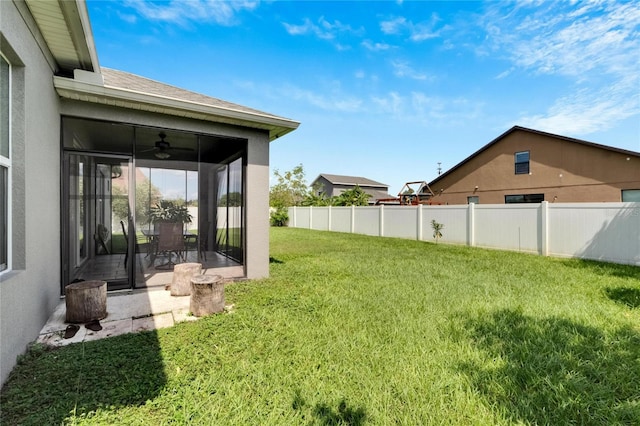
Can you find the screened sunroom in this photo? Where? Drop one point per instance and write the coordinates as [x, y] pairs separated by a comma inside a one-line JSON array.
[[140, 199]]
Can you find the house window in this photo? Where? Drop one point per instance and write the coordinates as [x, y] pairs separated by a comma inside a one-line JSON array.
[[5, 164], [522, 162], [474, 199], [523, 198], [631, 195]]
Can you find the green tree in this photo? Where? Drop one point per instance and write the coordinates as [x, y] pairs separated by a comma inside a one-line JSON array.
[[352, 197], [290, 188], [279, 216], [234, 199], [316, 197], [146, 195]]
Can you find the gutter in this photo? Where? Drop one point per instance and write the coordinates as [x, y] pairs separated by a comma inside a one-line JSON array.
[[126, 98]]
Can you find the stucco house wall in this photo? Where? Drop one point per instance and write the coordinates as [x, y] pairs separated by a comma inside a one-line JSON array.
[[31, 290], [562, 169]]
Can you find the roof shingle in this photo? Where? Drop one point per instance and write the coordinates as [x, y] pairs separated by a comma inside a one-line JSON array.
[[124, 80], [351, 180]]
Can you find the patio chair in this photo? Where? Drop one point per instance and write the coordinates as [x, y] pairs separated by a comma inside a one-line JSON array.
[[126, 241], [102, 233], [170, 242]]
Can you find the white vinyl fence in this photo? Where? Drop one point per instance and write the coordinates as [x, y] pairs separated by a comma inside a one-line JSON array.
[[600, 231]]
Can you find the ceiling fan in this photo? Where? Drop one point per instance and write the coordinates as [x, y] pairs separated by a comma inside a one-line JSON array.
[[163, 149]]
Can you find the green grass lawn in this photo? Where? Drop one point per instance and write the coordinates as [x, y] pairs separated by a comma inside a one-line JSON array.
[[351, 329]]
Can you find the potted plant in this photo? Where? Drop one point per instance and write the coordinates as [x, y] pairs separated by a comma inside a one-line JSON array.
[[168, 211]]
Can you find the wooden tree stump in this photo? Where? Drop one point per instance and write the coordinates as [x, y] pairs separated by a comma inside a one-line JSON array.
[[182, 274], [86, 301], [207, 295]]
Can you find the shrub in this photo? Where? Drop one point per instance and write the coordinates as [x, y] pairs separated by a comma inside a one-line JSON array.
[[279, 217], [437, 230]]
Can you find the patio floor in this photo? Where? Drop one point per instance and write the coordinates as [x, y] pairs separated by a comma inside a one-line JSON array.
[[130, 312]]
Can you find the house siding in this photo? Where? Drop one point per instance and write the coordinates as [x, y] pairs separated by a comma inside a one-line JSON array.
[[563, 171], [334, 190], [30, 292], [325, 186]]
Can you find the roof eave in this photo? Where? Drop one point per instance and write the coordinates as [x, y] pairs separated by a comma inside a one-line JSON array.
[[90, 54], [124, 98], [360, 184], [68, 31]]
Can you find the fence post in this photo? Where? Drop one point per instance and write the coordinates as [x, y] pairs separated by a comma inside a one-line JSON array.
[[544, 228], [471, 224], [381, 227], [294, 217], [310, 217], [419, 212], [353, 219], [329, 219]]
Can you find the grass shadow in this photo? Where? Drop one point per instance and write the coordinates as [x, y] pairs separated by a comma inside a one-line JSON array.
[[80, 379], [606, 268], [555, 371], [274, 260], [325, 414], [627, 296]]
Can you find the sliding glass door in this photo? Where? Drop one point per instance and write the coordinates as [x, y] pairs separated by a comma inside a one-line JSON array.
[[230, 200], [97, 222]]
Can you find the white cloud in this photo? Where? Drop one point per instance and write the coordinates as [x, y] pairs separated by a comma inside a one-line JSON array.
[[393, 104], [334, 101], [375, 47], [505, 73], [184, 12], [307, 27], [323, 29], [586, 112], [425, 31], [394, 26], [128, 17], [594, 46], [420, 108], [416, 31], [403, 69], [329, 96]]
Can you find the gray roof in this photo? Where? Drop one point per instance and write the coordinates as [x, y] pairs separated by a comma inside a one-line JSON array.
[[125, 80], [351, 180], [377, 195], [125, 90]]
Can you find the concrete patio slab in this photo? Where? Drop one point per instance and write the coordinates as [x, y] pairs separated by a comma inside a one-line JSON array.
[[128, 312], [152, 322]]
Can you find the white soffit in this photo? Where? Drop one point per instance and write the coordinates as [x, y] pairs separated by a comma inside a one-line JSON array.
[[131, 99], [65, 26]]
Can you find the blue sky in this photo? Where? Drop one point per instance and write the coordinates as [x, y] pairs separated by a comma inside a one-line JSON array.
[[387, 90]]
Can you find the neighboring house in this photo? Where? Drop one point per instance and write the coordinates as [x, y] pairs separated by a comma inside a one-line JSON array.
[[69, 127], [529, 166], [334, 185]]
